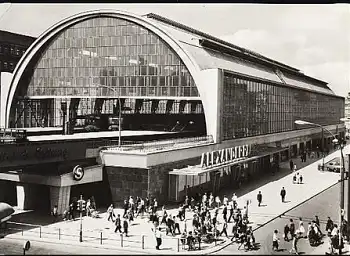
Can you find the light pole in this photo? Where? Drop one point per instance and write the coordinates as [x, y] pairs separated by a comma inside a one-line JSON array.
[[120, 113], [342, 171]]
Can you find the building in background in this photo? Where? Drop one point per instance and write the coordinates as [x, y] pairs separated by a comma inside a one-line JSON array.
[[347, 113], [12, 47], [237, 107]]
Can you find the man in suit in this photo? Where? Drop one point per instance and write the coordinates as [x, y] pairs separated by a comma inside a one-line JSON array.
[[118, 224], [283, 194], [259, 198]]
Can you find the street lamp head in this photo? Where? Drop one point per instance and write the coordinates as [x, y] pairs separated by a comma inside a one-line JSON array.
[[301, 122]]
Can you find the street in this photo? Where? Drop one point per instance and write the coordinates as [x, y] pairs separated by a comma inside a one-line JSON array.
[[10, 246], [324, 205]]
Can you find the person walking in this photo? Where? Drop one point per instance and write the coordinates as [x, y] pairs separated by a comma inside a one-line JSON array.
[[291, 227], [118, 224], [125, 226], [294, 244], [259, 198], [158, 235], [110, 212], [283, 194], [301, 179], [329, 224], [291, 165], [224, 229], [275, 240], [286, 232]]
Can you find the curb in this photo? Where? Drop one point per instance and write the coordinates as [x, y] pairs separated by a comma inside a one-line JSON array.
[[109, 247], [280, 215]]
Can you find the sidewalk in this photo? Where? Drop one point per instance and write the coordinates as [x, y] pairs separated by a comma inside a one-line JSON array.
[[68, 232]]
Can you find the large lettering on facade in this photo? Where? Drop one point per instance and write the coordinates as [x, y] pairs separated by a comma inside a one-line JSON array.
[[219, 157]]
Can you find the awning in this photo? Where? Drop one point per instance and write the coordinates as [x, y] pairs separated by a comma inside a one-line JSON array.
[[197, 170]]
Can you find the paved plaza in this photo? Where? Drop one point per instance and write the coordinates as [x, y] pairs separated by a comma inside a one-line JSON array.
[[99, 232]]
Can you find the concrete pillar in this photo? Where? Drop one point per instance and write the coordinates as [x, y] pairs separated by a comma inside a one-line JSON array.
[[26, 196], [60, 196]]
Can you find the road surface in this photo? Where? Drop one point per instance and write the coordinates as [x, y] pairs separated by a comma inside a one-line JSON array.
[[324, 205]]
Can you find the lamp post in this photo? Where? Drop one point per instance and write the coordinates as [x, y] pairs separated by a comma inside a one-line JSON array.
[[342, 171], [120, 113]]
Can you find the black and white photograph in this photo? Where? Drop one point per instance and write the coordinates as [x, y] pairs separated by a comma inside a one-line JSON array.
[[174, 128]]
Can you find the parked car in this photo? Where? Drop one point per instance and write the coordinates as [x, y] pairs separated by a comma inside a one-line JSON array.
[[333, 165]]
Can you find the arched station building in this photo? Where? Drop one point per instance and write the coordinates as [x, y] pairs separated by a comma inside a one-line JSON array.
[[236, 108]]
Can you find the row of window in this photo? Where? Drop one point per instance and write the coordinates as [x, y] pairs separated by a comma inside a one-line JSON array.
[[143, 70], [13, 50], [34, 113], [124, 91], [83, 41], [255, 108], [151, 64], [7, 66]]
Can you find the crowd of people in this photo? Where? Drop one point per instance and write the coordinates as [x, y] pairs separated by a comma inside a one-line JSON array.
[[211, 216], [313, 233]]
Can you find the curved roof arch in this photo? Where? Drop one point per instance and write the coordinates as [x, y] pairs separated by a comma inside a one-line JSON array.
[[53, 31]]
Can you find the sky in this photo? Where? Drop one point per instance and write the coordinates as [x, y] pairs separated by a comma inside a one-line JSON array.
[[312, 38]]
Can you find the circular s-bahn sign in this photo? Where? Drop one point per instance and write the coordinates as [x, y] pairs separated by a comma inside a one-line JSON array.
[[78, 172]]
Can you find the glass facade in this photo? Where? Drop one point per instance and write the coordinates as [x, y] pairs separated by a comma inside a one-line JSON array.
[[103, 58], [252, 107], [111, 52]]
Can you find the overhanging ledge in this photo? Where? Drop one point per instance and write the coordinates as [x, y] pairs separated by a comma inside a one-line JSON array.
[[91, 174]]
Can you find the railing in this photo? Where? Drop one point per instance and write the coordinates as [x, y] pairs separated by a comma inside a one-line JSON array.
[[162, 144], [98, 237]]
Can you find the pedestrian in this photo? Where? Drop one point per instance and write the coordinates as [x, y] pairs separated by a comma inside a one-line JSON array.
[[176, 224], [125, 226], [294, 244], [294, 168], [301, 230], [286, 232], [329, 224], [88, 208], [283, 194], [259, 198], [118, 224], [224, 213], [225, 200], [301, 179], [217, 201], [71, 212], [125, 207], [234, 199], [317, 221], [294, 179], [158, 235], [275, 240], [54, 213], [291, 227], [110, 212], [230, 207], [291, 165]]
